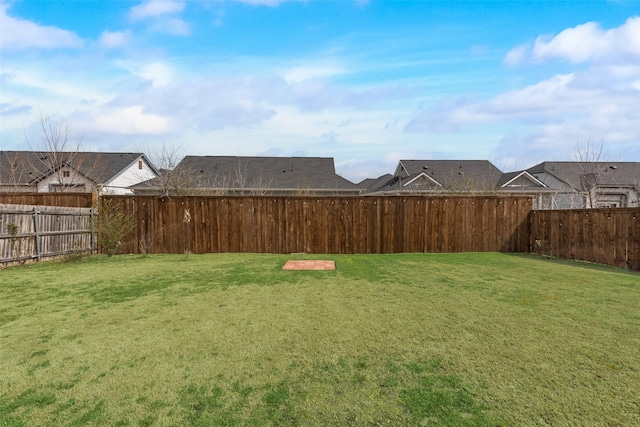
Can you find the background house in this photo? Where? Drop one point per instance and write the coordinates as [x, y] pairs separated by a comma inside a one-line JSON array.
[[589, 184], [231, 175], [38, 171], [418, 176], [457, 176], [448, 176]]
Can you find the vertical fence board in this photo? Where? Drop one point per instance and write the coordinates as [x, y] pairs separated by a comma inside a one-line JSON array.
[[352, 225], [43, 232], [607, 236], [330, 224]]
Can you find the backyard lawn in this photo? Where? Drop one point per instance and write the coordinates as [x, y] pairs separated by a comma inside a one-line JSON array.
[[232, 339]]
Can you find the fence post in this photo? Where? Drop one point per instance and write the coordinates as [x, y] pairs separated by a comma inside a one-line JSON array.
[[92, 224], [36, 233]]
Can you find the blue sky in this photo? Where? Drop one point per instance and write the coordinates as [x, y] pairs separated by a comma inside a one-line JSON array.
[[365, 82]]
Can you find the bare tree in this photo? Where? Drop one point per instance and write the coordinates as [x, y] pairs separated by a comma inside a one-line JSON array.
[[636, 188], [458, 182], [237, 180], [261, 186], [172, 180], [589, 158], [258, 185], [14, 172], [57, 153]]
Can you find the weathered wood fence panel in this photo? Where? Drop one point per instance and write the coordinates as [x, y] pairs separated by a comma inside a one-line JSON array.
[[606, 236], [346, 225], [328, 224], [43, 232], [77, 200]]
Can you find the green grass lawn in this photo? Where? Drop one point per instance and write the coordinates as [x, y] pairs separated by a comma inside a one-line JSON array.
[[231, 339]]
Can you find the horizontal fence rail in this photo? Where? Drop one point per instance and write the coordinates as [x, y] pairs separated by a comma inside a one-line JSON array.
[[77, 200], [326, 224], [363, 225], [606, 236], [37, 232]]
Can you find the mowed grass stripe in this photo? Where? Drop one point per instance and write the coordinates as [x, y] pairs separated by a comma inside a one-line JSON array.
[[232, 339]]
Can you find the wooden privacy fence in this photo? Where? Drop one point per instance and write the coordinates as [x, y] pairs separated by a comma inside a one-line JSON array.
[[78, 200], [37, 232], [334, 225], [606, 236], [327, 224]]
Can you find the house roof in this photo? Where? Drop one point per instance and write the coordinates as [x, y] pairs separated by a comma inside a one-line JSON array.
[[30, 167], [604, 173], [375, 184], [509, 178], [452, 175], [290, 173]]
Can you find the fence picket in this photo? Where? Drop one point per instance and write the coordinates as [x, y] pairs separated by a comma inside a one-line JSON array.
[[354, 225], [43, 232]]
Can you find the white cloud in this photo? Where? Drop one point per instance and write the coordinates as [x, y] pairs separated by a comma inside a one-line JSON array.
[[131, 120], [158, 73], [18, 34], [11, 108], [54, 85], [162, 15], [306, 72], [601, 101], [115, 39], [586, 97], [576, 44], [517, 55], [270, 3], [273, 3], [586, 42], [155, 8], [542, 120], [176, 26]]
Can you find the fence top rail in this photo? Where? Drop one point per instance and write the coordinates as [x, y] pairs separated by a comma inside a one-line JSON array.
[[44, 210], [589, 210], [41, 213], [320, 197]]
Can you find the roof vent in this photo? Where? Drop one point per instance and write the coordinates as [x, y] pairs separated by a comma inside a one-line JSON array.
[[613, 167], [425, 167]]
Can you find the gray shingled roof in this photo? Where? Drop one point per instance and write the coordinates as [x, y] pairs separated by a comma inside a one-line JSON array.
[[606, 173], [374, 184], [291, 173], [29, 167], [508, 176], [452, 175]]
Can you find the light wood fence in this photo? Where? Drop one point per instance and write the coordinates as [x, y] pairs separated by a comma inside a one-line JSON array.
[[36, 232]]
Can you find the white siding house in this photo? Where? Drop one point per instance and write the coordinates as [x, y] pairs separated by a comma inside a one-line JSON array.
[[109, 173]]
